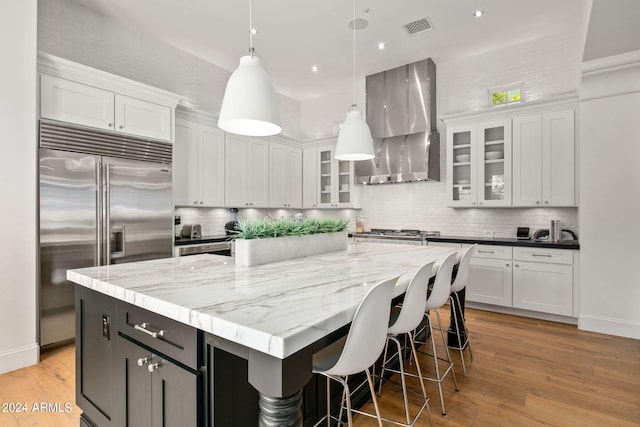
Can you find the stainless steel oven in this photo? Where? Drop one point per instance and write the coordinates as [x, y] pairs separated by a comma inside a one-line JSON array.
[[218, 248]]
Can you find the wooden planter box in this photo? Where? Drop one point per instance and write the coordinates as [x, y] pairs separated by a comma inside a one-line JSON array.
[[263, 251]]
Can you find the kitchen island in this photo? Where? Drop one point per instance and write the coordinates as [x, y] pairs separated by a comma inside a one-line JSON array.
[[273, 316]]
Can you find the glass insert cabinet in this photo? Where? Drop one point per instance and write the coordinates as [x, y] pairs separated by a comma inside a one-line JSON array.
[[479, 164], [336, 179]]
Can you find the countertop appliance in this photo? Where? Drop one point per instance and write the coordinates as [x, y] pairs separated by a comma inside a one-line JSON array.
[[104, 199], [193, 231], [406, 236], [543, 234]]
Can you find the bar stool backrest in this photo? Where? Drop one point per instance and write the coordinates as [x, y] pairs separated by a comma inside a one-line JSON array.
[[367, 335], [442, 284], [414, 303], [462, 276]]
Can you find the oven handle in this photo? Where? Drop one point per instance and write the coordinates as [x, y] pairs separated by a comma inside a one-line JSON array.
[[204, 248]]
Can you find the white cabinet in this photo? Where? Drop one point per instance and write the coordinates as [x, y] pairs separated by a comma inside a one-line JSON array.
[[73, 102], [309, 178], [246, 172], [198, 165], [479, 164], [544, 159], [334, 180], [543, 280], [285, 176], [491, 276]]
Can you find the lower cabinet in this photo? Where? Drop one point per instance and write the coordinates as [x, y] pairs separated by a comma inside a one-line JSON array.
[[535, 279], [154, 391], [544, 284]]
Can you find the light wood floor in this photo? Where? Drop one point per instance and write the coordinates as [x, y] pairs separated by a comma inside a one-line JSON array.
[[525, 372]]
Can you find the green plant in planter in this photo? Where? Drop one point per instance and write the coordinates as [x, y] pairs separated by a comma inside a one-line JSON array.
[[262, 229]]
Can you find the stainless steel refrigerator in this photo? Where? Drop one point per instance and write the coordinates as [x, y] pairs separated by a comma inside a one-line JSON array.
[[104, 199]]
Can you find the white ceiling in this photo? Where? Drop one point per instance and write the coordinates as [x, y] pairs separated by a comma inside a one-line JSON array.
[[293, 35]]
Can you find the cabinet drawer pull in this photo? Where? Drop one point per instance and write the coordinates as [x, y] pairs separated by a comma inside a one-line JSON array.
[[143, 361], [153, 367], [143, 328], [544, 255], [486, 252]]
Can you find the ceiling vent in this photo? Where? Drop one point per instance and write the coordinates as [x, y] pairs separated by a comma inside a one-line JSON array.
[[418, 27]]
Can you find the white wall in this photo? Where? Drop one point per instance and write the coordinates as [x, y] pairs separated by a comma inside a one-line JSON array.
[[610, 196], [72, 31], [18, 346]]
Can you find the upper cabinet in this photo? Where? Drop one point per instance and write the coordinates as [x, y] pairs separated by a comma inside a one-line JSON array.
[[198, 164], [285, 176], [86, 105], [334, 179], [309, 177], [479, 164], [508, 158], [544, 159], [246, 172]]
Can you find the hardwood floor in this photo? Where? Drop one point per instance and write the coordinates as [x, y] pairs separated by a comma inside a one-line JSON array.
[[525, 372]]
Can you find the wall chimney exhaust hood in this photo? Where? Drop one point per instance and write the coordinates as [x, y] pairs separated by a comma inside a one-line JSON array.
[[401, 113]]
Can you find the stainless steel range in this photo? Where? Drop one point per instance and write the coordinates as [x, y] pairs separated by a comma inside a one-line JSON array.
[[405, 236]]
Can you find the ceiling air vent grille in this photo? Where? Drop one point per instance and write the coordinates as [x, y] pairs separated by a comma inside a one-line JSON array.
[[420, 26]]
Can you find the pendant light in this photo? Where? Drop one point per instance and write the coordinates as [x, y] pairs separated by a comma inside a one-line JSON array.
[[249, 105], [354, 137]]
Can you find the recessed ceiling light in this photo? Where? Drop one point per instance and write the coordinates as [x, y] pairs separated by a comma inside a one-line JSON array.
[[381, 46], [478, 13], [254, 31], [314, 68]]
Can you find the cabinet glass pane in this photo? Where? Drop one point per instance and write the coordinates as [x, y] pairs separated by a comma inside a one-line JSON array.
[[325, 177], [462, 138], [462, 165], [494, 163]]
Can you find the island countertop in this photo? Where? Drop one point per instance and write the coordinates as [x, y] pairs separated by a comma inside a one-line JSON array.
[[276, 308]]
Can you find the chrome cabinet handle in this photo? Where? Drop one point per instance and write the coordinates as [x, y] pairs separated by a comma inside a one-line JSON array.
[[110, 125], [143, 361], [544, 255], [546, 202], [517, 265], [153, 367], [486, 252], [143, 328], [507, 265], [121, 126]]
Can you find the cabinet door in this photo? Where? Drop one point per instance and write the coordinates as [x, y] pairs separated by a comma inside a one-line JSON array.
[[174, 395], [135, 384], [344, 183], [258, 170], [73, 102], [325, 174], [143, 118], [277, 176], [494, 163], [309, 178], [237, 183], [543, 287], [527, 161], [462, 169], [490, 281], [558, 143], [96, 331], [294, 177], [187, 180], [211, 165]]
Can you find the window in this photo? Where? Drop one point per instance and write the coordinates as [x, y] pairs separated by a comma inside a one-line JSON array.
[[504, 95]]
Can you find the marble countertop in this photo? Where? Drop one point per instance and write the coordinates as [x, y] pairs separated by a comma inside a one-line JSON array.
[[276, 308]]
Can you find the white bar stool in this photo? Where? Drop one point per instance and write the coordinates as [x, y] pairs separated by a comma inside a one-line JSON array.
[[460, 282], [438, 296], [405, 320], [359, 349]]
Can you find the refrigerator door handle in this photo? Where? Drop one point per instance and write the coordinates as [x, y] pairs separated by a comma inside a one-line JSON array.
[[106, 214], [98, 182]]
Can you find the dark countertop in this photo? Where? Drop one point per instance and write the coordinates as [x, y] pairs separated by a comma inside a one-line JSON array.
[[182, 241], [563, 244]]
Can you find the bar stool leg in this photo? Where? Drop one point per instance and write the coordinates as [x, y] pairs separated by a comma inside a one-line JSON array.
[[461, 345], [372, 389], [414, 353], [464, 326], [444, 342]]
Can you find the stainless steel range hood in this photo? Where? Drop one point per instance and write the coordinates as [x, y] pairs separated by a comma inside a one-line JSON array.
[[401, 113]]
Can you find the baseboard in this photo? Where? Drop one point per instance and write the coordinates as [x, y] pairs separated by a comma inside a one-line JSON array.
[[19, 358], [521, 312], [609, 325]]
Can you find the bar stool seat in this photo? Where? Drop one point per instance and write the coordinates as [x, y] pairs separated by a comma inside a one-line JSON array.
[[359, 349]]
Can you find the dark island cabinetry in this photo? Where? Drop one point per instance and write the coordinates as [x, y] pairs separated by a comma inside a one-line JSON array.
[[151, 378]]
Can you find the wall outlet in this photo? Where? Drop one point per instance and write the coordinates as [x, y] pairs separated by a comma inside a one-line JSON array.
[[488, 234]]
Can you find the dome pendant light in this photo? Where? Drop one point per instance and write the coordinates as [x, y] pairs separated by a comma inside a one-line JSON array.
[[249, 105], [354, 138]]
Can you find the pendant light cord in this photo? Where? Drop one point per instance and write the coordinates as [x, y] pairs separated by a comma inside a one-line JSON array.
[[251, 49], [354, 52]]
